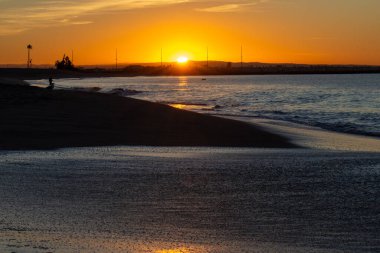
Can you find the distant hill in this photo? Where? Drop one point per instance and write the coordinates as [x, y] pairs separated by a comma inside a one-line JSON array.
[[211, 64], [191, 68]]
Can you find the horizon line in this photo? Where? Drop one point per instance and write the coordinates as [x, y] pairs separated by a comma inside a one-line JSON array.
[[194, 61]]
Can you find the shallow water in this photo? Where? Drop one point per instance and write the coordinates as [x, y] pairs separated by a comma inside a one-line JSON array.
[[343, 103], [161, 200]]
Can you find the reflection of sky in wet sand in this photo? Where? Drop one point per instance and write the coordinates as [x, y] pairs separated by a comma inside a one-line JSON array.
[[32, 242], [37, 242], [194, 200], [28, 241]]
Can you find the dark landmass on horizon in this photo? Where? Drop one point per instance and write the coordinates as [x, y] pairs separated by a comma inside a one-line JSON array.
[[191, 68], [36, 118]]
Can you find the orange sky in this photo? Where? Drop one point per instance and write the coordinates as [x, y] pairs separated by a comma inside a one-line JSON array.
[[297, 31]]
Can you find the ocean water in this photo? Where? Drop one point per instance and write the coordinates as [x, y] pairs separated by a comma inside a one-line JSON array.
[[342, 103], [189, 200]]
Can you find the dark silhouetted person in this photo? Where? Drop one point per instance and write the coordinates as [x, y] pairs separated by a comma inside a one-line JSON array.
[[51, 84]]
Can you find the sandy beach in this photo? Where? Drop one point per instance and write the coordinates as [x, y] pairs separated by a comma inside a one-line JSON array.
[[35, 118]]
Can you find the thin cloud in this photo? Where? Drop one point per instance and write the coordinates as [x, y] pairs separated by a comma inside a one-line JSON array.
[[232, 7], [222, 8], [24, 15], [19, 16], [81, 22]]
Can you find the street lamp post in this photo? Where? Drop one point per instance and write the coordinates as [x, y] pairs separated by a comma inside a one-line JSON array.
[[29, 47]]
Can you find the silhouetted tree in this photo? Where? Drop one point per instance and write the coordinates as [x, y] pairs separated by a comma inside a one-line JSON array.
[[65, 63]]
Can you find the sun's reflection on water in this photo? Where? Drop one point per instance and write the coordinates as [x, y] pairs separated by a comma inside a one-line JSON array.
[[183, 81], [179, 106], [180, 250]]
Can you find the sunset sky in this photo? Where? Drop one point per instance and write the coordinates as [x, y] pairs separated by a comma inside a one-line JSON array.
[[297, 31]]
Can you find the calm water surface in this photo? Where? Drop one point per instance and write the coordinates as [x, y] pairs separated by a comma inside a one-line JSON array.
[[343, 103]]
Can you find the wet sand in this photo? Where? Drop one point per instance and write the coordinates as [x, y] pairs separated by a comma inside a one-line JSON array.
[[35, 118], [189, 200], [317, 138]]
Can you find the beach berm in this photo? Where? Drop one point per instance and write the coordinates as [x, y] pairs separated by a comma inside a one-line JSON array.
[[36, 118]]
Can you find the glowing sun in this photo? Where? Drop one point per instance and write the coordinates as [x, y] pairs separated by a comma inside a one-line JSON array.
[[182, 59]]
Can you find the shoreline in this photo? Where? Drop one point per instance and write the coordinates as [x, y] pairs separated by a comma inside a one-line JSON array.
[[36, 118], [317, 138], [288, 134]]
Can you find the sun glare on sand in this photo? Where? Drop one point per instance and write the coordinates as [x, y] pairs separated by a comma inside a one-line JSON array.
[[182, 59]]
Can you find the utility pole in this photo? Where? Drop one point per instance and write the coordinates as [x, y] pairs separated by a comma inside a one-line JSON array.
[[72, 56], [207, 57], [241, 56], [116, 59], [161, 57]]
